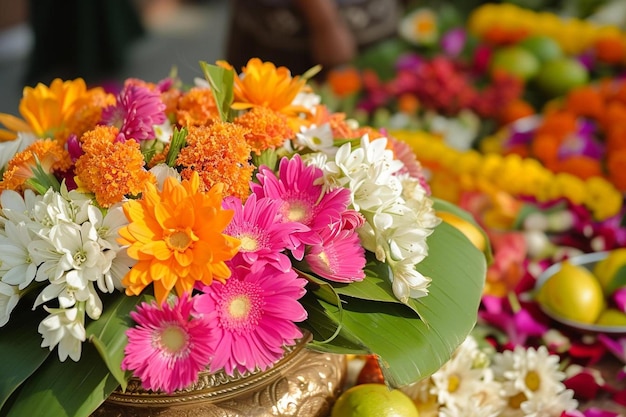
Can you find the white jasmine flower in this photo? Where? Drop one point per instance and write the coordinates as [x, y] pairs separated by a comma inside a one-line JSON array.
[[9, 296], [17, 266], [16, 208], [407, 281], [163, 171], [64, 328]]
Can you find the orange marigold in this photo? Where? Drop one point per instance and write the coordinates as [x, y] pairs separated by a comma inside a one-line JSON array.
[[585, 101], [197, 108], [610, 49], [219, 153], [344, 81], [616, 161], [50, 154], [545, 147], [558, 124], [111, 169], [515, 110], [581, 166], [267, 129]]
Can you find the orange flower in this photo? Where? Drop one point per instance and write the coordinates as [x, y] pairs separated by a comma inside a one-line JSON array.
[[344, 81], [616, 161], [610, 49], [585, 101], [581, 166], [263, 84], [558, 124], [616, 138], [196, 108], [49, 110], [545, 147], [50, 154], [109, 168], [176, 237], [515, 110], [267, 129], [220, 154], [408, 103]]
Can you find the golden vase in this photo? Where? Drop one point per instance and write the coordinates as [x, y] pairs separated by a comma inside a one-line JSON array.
[[303, 383]]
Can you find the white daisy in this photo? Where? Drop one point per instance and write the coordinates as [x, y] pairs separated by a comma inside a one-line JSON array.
[[316, 138], [18, 267], [64, 328], [9, 296], [550, 405], [9, 148]]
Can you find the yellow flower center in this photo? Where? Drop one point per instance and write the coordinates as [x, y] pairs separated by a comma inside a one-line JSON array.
[[179, 240], [248, 243], [453, 383], [516, 401], [532, 380], [173, 339], [424, 25], [296, 212], [239, 307]]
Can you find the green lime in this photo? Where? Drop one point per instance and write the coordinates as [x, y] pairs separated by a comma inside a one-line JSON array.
[[559, 76], [612, 317], [374, 400], [543, 47], [515, 60]]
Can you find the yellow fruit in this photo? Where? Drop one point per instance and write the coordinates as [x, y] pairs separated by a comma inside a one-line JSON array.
[[373, 400], [472, 232], [573, 293], [606, 269], [612, 317]]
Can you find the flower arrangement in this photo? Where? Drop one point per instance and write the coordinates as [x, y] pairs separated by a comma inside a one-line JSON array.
[[171, 229], [581, 134]]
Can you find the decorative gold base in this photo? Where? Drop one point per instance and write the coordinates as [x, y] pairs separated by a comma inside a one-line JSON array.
[[303, 383]]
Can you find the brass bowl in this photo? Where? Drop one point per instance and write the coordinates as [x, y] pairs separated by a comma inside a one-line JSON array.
[[302, 383], [589, 261]]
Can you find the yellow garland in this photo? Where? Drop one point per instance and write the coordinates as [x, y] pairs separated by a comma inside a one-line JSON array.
[[455, 171], [574, 35]]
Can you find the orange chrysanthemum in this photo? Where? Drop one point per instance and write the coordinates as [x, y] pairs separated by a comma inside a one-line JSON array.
[[50, 154], [263, 84], [111, 169], [583, 167], [585, 101], [610, 49], [48, 111], [219, 154], [176, 237], [616, 161], [197, 108], [267, 129], [515, 110], [558, 124], [344, 81]]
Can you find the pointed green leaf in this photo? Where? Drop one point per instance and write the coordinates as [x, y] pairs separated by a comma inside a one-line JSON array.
[[108, 333], [20, 348], [221, 81], [65, 389]]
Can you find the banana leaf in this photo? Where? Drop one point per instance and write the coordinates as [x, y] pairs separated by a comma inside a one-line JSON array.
[[411, 342]]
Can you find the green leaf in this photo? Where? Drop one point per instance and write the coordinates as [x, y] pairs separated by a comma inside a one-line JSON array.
[[179, 139], [410, 348], [108, 333], [221, 81], [65, 389], [20, 348], [442, 205]]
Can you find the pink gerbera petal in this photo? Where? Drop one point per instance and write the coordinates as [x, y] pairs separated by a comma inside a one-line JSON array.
[[340, 257], [169, 346], [243, 319]]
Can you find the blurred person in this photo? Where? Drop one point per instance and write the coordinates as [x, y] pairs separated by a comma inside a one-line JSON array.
[[300, 34]]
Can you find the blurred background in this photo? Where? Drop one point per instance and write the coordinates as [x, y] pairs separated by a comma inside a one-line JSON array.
[[152, 36]]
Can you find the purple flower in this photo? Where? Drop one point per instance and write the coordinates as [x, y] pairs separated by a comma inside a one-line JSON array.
[[453, 41]]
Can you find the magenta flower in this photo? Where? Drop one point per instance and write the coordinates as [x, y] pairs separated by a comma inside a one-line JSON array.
[[302, 199], [136, 111], [255, 315], [169, 346], [340, 257], [263, 238]]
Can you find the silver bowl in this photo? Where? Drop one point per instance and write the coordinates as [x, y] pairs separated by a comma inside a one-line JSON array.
[[588, 260]]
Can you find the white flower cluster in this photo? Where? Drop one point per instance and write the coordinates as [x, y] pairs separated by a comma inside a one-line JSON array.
[[62, 244], [399, 215], [523, 382]]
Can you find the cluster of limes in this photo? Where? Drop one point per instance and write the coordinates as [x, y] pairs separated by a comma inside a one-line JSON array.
[[540, 59], [573, 35], [584, 295]]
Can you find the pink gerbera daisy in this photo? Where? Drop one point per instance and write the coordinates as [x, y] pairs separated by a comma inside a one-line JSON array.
[[340, 257], [256, 316], [136, 112], [302, 197], [169, 346], [263, 238]]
